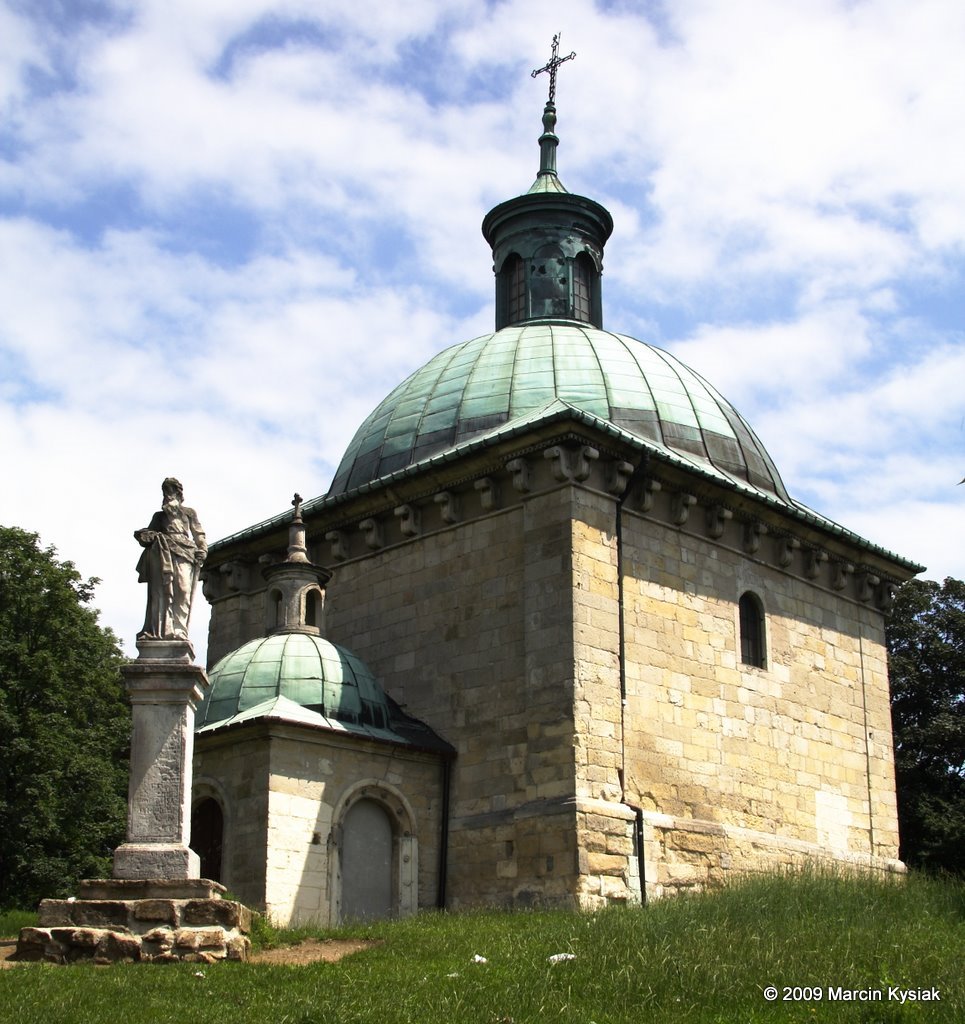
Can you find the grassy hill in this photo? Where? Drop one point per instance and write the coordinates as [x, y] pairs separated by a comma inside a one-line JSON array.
[[816, 938]]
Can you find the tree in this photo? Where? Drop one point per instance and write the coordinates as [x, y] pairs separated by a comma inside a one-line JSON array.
[[926, 654], [64, 723]]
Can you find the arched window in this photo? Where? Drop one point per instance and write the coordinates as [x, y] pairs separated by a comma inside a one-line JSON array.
[[207, 837], [514, 274], [313, 608], [752, 630], [275, 611], [582, 278]]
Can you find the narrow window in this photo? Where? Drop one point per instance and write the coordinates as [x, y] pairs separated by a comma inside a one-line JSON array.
[[752, 630], [581, 288], [313, 602], [515, 271], [275, 612]]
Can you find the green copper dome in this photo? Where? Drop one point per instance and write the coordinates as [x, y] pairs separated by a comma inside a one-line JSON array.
[[301, 667], [470, 388]]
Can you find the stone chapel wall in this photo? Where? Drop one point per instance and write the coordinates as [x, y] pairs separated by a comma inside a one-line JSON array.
[[492, 612], [738, 767], [311, 777], [469, 628], [733, 767]]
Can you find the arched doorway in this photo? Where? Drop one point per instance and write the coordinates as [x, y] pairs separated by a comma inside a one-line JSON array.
[[368, 890], [207, 836]]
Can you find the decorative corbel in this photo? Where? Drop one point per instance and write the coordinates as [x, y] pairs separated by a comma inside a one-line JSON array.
[[814, 558], [753, 531], [681, 506], [372, 529], [210, 585], [648, 489], [488, 493], [339, 543], [717, 518], [521, 474], [867, 582], [840, 571], [571, 465], [410, 520], [235, 575], [449, 506], [786, 546], [618, 476], [886, 596], [583, 459]]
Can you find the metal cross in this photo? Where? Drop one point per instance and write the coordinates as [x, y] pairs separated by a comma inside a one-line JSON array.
[[552, 64]]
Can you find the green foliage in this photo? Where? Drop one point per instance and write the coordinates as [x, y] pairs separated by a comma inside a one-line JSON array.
[[701, 959], [11, 921], [926, 653], [65, 725]]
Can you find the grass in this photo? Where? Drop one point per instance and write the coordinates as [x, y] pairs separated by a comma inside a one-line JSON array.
[[701, 958], [11, 921]]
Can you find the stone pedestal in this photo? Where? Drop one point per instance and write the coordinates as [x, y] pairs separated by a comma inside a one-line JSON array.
[[155, 908], [164, 687], [153, 921]]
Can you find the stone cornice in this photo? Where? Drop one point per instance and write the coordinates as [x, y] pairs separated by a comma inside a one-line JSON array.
[[561, 455]]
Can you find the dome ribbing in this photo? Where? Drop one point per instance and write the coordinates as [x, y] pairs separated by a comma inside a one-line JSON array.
[[306, 669], [472, 387]]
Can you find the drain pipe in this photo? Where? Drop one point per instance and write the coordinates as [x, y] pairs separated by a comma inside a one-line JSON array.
[[638, 473]]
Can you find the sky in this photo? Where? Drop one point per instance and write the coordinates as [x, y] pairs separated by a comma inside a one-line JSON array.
[[228, 228]]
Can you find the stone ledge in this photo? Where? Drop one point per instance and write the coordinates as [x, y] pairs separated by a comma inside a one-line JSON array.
[[150, 889], [139, 916], [149, 930], [114, 945]]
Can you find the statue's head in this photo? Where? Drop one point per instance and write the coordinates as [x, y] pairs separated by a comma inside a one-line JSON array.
[[173, 486]]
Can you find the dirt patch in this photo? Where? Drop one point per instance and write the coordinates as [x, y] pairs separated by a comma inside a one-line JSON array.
[[309, 951]]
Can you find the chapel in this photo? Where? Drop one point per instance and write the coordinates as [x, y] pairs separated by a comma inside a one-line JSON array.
[[556, 635]]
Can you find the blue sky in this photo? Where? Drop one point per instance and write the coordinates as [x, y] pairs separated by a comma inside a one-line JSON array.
[[229, 227]]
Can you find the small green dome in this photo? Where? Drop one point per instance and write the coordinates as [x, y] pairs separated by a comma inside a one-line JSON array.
[[470, 388], [305, 668]]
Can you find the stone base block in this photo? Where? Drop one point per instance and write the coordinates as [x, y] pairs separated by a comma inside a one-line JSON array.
[[156, 860], [180, 651], [153, 930], [150, 889]]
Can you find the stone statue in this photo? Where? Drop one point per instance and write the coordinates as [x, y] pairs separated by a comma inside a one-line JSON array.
[[174, 551]]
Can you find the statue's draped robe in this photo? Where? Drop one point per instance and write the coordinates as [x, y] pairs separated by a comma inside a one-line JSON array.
[[168, 565]]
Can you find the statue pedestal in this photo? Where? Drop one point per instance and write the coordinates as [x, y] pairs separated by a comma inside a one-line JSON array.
[[153, 921], [155, 908], [164, 688]]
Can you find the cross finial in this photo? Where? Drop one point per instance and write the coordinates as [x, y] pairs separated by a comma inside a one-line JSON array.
[[297, 502], [552, 64]]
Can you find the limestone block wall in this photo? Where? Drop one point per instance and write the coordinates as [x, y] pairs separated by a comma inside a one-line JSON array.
[[737, 766], [284, 790], [469, 628], [233, 768], [490, 599], [313, 779], [609, 867], [239, 616]]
